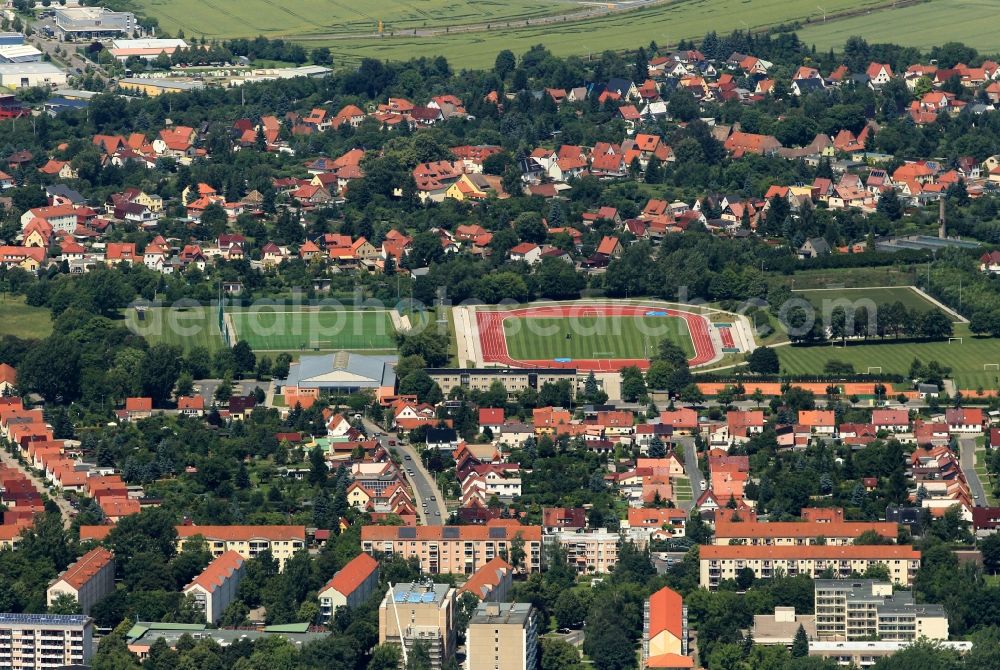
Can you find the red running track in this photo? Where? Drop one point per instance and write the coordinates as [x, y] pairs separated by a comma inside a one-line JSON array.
[[727, 337], [493, 340]]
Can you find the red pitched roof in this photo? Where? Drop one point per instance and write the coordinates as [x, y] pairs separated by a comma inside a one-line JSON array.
[[217, 572], [352, 575], [666, 613], [88, 565]]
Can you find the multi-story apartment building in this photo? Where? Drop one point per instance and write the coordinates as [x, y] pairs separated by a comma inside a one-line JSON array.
[[350, 587], [866, 609], [425, 612], [798, 533], [865, 654], [43, 641], [247, 541], [589, 552], [502, 636], [457, 549], [664, 628], [216, 586], [725, 562], [514, 380], [88, 580]]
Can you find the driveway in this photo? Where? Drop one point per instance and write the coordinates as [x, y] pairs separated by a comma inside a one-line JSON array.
[[421, 482]]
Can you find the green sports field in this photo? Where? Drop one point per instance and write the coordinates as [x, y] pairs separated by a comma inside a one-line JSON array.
[[972, 22], [249, 18], [666, 23], [880, 296], [593, 337], [269, 330], [182, 327], [22, 320], [966, 358]]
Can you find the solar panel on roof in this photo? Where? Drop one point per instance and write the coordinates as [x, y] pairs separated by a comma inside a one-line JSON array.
[[407, 532], [498, 533], [450, 532], [428, 597]]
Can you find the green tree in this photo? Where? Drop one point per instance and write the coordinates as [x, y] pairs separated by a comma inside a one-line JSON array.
[[65, 603], [763, 360], [159, 372], [800, 644]]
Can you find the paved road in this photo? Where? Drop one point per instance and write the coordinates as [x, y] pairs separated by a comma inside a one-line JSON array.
[[967, 459], [64, 507], [691, 470], [421, 481]]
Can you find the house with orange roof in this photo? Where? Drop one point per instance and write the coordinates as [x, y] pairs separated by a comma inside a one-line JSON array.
[[60, 169], [87, 581], [138, 408], [59, 217], [610, 247], [215, 587], [492, 582], [8, 379], [116, 507], [683, 420], [29, 259], [892, 420], [820, 422], [671, 520], [665, 631], [797, 533], [350, 587], [879, 74], [350, 115], [176, 142], [189, 405], [966, 420], [740, 143]]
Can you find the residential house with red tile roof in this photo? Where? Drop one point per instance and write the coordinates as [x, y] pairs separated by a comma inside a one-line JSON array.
[[88, 580], [247, 541], [492, 582], [350, 587], [665, 631], [215, 587]]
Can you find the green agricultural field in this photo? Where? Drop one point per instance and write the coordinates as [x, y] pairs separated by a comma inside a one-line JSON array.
[[666, 23], [182, 327], [593, 337], [965, 359], [847, 277], [919, 25], [880, 296], [249, 18], [268, 330], [24, 321]]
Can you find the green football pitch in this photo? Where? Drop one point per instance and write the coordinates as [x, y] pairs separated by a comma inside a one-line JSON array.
[[966, 357], [267, 330], [544, 338], [879, 296], [184, 327]]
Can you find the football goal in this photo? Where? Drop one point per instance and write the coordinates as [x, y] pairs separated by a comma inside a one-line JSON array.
[[876, 369], [991, 366], [954, 340]]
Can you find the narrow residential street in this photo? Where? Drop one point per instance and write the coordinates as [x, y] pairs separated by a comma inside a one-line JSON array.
[[967, 459], [421, 482], [692, 470], [65, 509]]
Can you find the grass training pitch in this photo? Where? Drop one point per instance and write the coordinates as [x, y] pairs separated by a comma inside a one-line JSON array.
[[666, 23], [181, 327], [965, 358], [920, 25], [249, 18], [535, 338], [880, 296], [274, 330], [24, 321]]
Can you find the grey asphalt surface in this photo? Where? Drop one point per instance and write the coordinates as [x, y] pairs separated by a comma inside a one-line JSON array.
[[421, 481], [967, 459], [691, 470]]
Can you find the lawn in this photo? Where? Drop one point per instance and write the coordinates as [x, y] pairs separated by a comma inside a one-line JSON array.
[[182, 327], [249, 18], [666, 23], [919, 25], [537, 338], [966, 359], [825, 300], [24, 321], [268, 330], [846, 277]]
